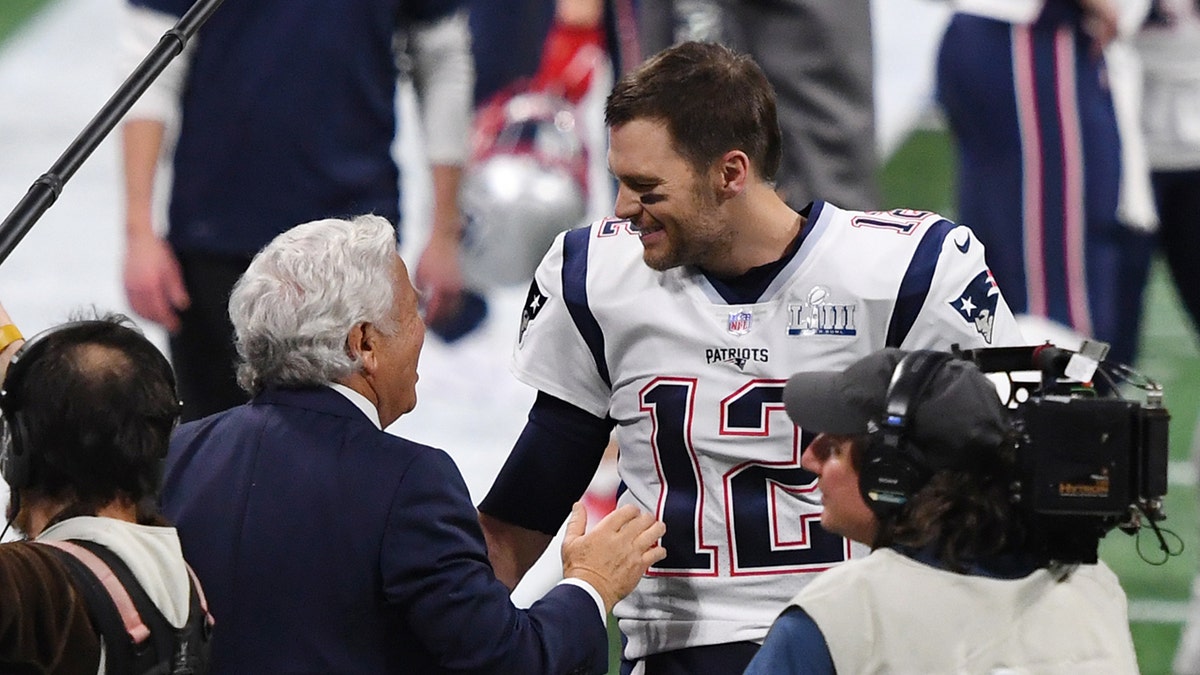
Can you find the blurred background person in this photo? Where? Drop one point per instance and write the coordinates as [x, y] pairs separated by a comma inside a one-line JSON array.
[[284, 113], [1169, 46], [537, 162], [549, 45], [1024, 90]]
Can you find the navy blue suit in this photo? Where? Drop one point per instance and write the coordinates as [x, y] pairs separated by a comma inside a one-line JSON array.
[[326, 545]]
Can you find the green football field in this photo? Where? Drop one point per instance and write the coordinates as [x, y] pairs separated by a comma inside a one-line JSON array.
[[13, 12]]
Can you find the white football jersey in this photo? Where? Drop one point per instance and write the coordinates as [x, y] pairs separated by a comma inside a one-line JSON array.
[[695, 386]]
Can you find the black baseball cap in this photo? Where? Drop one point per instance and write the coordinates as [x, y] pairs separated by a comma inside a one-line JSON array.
[[957, 410]]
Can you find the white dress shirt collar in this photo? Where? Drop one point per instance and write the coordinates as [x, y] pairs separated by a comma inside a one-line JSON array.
[[360, 401]]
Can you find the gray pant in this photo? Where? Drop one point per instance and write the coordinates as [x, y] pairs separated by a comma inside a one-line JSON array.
[[818, 56]]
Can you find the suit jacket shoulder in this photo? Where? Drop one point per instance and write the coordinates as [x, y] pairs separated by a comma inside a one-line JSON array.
[[320, 538]]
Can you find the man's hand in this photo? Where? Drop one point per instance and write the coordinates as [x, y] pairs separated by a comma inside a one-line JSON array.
[[154, 282], [439, 278], [1100, 22], [615, 554]]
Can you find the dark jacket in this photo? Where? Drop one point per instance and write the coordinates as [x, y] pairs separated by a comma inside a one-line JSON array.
[[326, 545], [44, 624]]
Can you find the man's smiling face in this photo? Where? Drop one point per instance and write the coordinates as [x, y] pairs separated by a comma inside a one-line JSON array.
[[675, 208]]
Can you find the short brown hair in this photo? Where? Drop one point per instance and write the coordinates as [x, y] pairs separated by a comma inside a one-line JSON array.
[[712, 100]]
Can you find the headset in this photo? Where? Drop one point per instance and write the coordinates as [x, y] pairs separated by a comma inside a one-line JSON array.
[[17, 457], [894, 468]]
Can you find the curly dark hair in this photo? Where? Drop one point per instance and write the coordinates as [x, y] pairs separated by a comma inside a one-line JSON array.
[[963, 516]]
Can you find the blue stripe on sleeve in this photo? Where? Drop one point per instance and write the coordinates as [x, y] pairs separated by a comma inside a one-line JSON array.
[[559, 450], [914, 288], [574, 283]]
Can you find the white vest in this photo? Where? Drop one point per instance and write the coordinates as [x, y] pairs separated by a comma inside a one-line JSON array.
[[888, 613]]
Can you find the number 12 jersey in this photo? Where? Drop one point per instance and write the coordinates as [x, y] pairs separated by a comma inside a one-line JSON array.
[[694, 383]]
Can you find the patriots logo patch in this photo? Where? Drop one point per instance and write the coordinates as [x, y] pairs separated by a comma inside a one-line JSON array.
[[977, 303], [534, 302]]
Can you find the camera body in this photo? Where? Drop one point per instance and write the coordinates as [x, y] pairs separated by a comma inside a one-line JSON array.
[[1088, 461]]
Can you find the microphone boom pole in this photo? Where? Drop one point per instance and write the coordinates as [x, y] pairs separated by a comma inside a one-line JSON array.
[[46, 189]]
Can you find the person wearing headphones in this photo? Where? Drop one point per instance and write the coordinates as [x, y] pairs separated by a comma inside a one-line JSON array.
[[915, 457], [88, 410]]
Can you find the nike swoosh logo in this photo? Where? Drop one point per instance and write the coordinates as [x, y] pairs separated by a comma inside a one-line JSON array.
[[962, 248]]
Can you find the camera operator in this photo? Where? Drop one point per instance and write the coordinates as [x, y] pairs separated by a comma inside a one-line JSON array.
[[916, 457], [88, 409]]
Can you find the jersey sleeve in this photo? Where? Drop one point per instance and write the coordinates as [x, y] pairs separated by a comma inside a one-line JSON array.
[[444, 79], [964, 305], [560, 348], [559, 450]]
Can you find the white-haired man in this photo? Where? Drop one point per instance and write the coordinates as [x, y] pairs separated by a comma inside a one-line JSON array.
[[328, 544]]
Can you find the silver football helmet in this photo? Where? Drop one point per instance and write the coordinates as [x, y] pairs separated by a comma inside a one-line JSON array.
[[525, 183]]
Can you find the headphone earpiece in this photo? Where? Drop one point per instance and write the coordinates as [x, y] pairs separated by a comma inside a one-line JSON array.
[[894, 468], [888, 480], [16, 461], [16, 466]]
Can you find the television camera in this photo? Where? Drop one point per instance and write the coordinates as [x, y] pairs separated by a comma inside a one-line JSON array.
[[1089, 459]]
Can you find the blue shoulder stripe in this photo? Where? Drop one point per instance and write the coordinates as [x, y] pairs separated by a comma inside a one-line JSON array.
[[914, 287], [574, 283]]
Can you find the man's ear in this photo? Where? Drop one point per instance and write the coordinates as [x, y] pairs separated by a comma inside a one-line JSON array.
[[360, 344], [734, 173]]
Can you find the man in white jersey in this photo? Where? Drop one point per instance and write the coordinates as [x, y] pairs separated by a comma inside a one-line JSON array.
[[917, 458], [678, 322]]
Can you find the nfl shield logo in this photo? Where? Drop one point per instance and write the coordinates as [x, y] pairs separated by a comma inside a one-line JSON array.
[[739, 323]]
